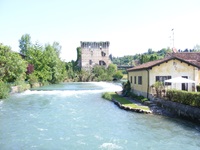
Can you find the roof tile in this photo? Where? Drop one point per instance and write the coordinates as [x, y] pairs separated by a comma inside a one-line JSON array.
[[192, 58]]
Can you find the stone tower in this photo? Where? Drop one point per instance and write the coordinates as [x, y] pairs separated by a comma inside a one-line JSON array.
[[94, 53]]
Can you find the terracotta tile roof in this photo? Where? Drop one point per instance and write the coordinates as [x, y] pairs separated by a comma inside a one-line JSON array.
[[190, 58]]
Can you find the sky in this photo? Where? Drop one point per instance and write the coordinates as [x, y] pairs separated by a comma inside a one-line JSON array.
[[131, 26]]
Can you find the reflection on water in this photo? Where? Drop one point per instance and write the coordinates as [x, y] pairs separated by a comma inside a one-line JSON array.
[[74, 116]]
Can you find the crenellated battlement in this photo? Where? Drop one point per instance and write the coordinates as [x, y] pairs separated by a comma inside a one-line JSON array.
[[95, 45], [94, 53]]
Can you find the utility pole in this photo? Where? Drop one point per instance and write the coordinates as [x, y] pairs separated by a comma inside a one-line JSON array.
[[173, 38]]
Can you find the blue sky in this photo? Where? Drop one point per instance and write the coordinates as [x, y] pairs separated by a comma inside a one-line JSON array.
[[131, 26]]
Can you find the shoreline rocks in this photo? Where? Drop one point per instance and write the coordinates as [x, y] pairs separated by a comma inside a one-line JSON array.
[[131, 109]]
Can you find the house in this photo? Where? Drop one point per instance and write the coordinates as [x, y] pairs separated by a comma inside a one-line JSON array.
[[94, 53], [184, 64]]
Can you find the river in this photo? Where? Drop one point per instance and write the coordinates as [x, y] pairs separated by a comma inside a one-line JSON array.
[[73, 116]]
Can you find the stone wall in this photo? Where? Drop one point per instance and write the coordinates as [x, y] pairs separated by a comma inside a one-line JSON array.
[[181, 110]]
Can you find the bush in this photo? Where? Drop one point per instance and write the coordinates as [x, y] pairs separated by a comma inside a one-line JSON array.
[[132, 95], [23, 87], [4, 90], [32, 78], [198, 88], [118, 75], [159, 88], [184, 97], [107, 96], [126, 88], [140, 98]]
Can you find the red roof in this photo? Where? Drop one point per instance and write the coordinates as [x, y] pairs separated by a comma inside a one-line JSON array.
[[192, 58]]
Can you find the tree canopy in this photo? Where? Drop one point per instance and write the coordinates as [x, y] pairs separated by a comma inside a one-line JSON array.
[[48, 67], [12, 66], [134, 60], [25, 43]]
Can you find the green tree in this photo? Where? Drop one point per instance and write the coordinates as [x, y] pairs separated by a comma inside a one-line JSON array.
[[144, 58], [98, 70], [57, 47], [153, 57], [70, 74], [112, 68], [47, 65], [150, 51], [12, 67], [24, 43], [118, 75], [52, 65], [4, 90]]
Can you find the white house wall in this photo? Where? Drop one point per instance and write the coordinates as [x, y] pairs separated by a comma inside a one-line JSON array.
[[174, 68]]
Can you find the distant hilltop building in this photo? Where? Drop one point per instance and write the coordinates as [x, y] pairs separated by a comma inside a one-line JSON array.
[[94, 53]]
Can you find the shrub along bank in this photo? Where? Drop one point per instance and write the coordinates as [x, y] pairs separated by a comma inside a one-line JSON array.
[[184, 97], [4, 90]]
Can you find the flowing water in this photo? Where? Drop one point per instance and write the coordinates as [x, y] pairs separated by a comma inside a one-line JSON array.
[[73, 116]]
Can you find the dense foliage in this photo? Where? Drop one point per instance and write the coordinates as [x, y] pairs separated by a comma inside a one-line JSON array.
[[134, 60], [44, 59], [4, 90], [12, 66], [184, 97], [126, 88], [140, 98], [36, 63]]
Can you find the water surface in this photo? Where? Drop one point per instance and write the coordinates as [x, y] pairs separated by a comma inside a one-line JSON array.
[[74, 116]]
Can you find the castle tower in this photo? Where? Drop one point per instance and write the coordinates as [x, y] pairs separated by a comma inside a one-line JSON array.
[[94, 53]]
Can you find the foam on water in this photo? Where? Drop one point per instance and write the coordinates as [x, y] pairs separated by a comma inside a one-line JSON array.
[[105, 87], [1, 103], [110, 146]]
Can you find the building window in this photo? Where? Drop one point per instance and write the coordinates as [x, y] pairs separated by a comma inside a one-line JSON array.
[[185, 85], [135, 82], [90, 62], [102, 63], [163, 78], [139, 79], [131, 79], [103, 54]]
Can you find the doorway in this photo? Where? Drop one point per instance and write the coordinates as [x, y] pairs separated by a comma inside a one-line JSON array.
[[185, 85]]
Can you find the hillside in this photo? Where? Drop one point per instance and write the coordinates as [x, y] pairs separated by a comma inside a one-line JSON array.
[[134, 60]]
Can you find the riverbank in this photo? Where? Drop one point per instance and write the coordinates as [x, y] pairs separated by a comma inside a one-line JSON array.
[[126, 103], [161, 107], [179, 110], [23, 87]]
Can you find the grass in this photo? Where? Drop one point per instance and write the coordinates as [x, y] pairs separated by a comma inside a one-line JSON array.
[[123, 101]]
